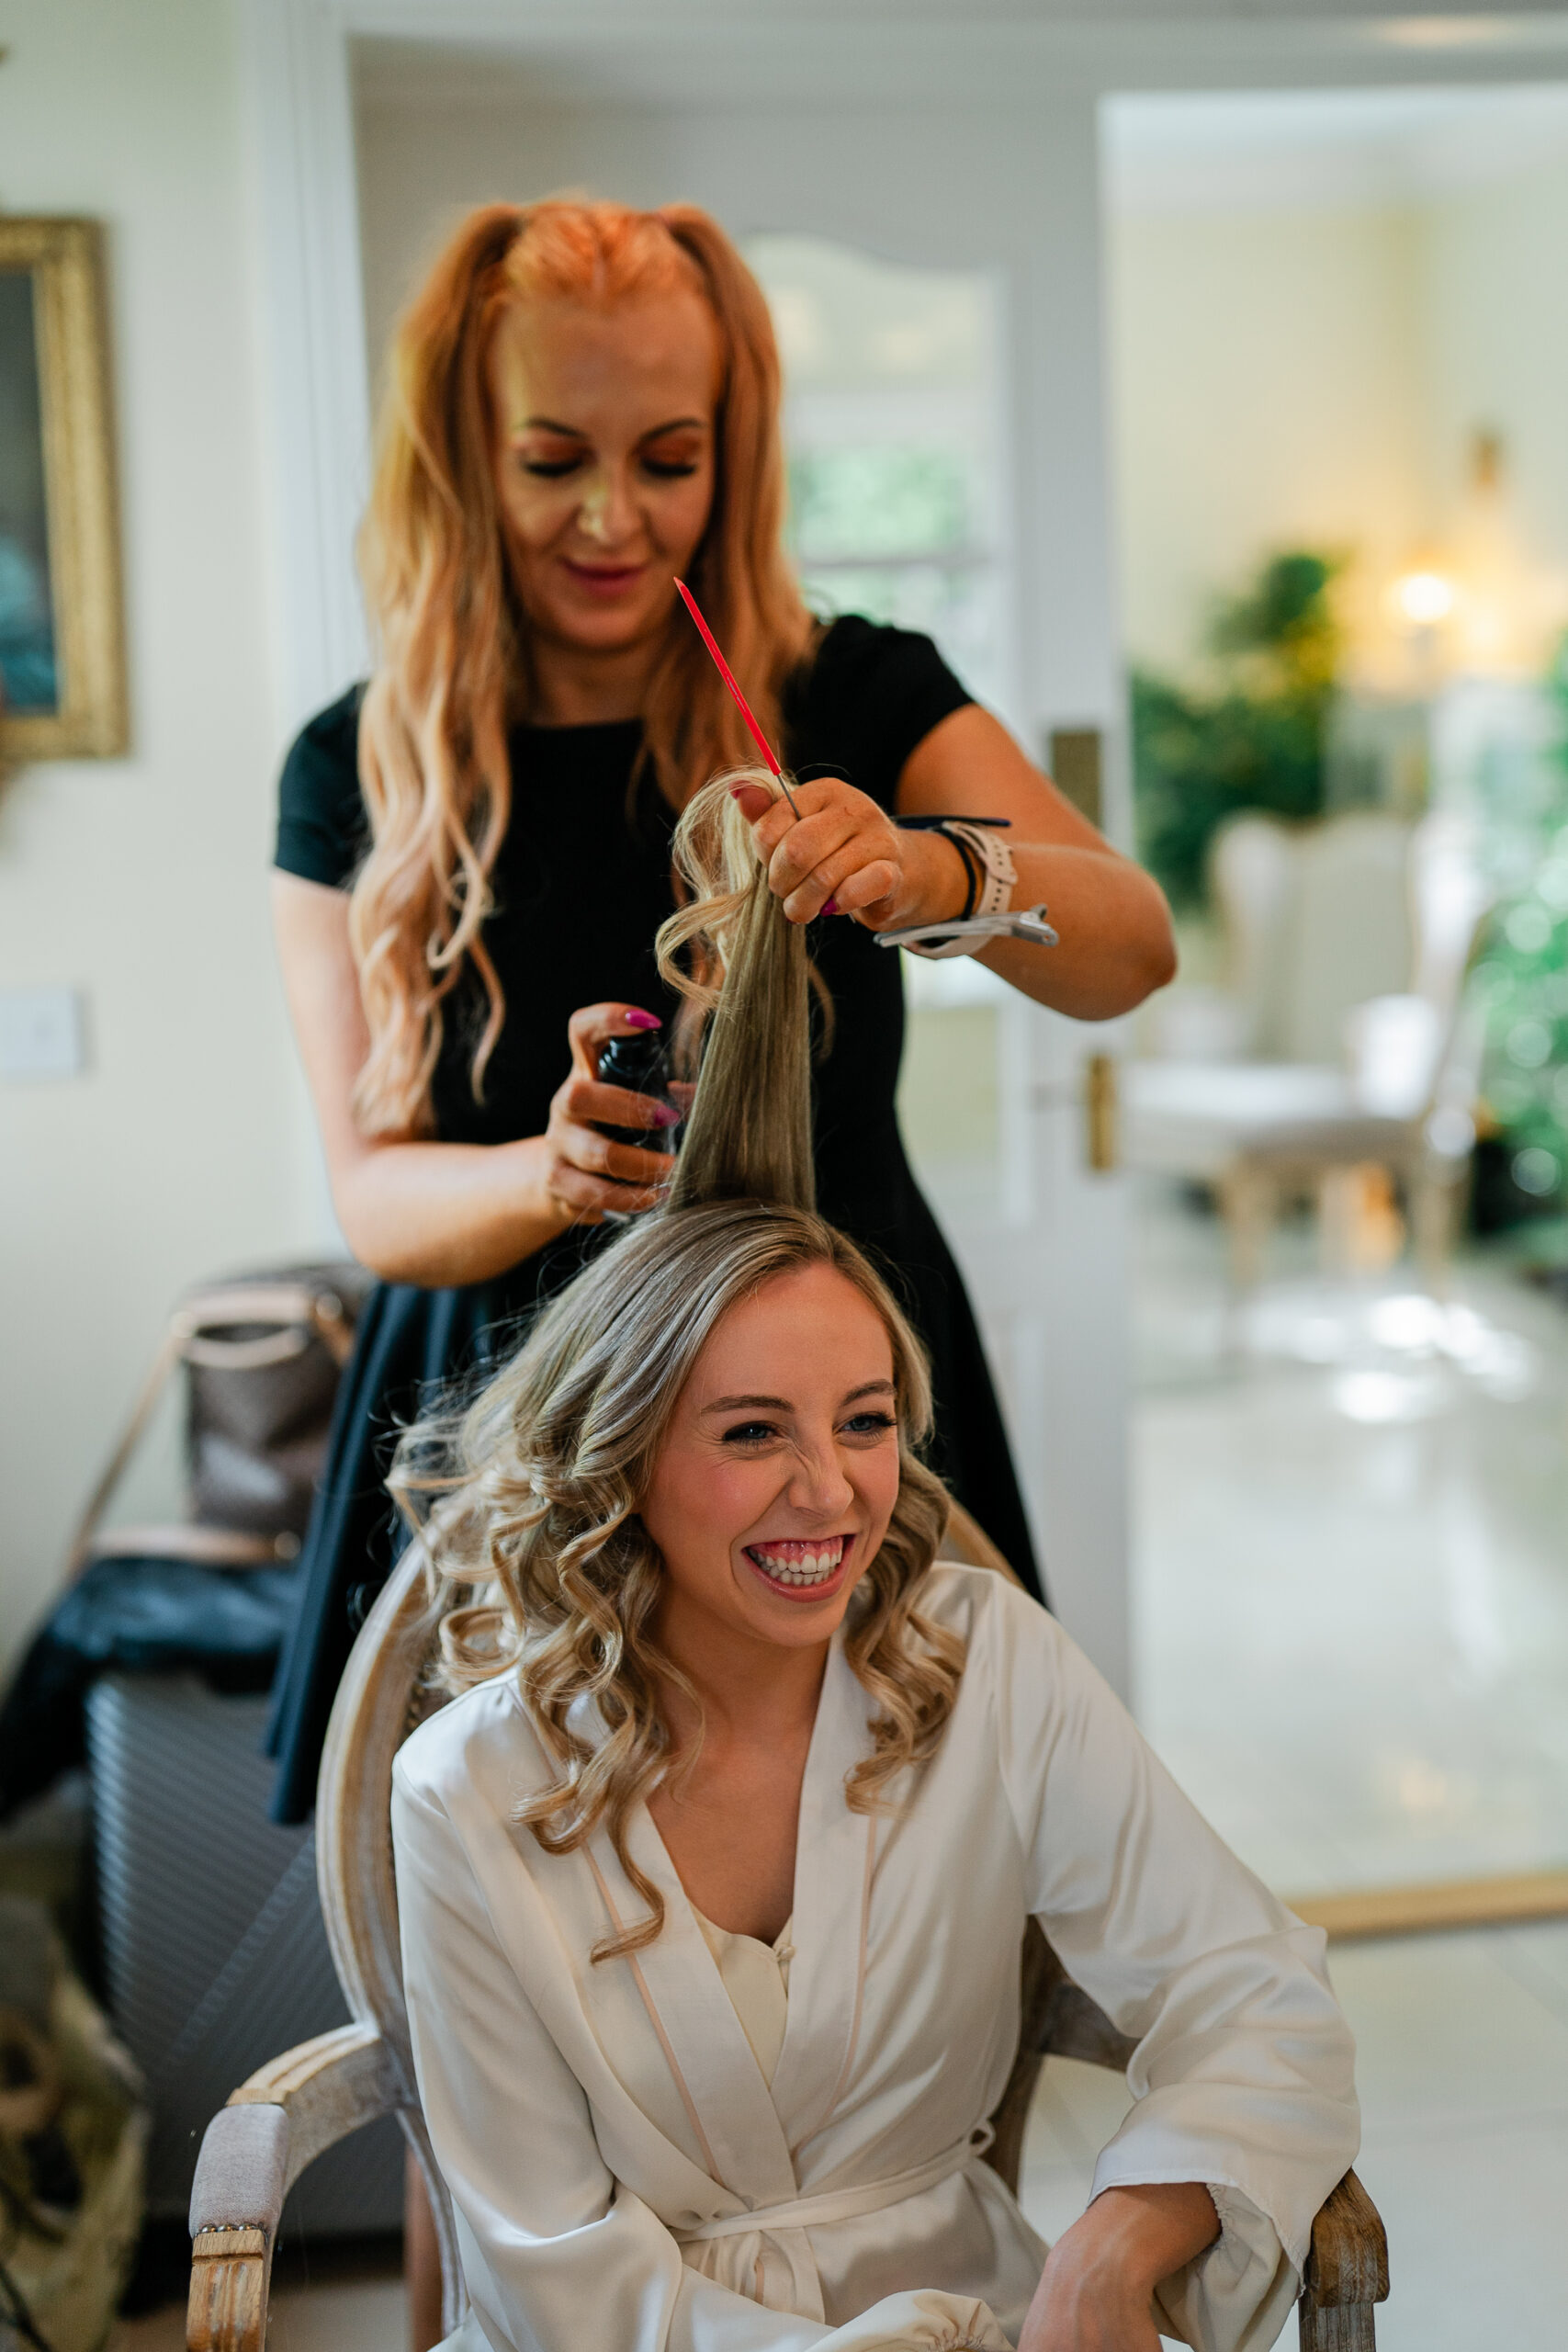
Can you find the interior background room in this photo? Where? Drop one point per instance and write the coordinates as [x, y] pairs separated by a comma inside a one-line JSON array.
[[1328, 337]]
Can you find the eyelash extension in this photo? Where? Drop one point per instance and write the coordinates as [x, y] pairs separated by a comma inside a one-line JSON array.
[[551, 469]]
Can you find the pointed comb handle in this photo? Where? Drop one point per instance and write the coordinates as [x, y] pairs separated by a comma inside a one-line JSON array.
[[741, 704]]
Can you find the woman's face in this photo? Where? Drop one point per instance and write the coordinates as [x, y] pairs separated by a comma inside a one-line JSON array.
[[773, 1492], [604, 459]]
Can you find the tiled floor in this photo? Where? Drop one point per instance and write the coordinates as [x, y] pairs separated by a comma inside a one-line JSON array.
[[1351, 1564]]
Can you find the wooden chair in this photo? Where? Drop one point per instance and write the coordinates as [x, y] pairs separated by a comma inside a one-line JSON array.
[[258, 2146]]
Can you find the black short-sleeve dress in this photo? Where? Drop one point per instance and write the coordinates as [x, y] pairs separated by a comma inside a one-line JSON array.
[[581, 886]]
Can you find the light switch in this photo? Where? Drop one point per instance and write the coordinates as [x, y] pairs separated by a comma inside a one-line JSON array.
[[40, 1033]]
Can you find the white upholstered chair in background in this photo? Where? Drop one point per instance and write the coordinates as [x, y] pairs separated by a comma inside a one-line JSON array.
[[1342, 1042]]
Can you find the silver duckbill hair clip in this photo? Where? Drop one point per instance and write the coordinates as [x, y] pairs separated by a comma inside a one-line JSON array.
[[936, 940]]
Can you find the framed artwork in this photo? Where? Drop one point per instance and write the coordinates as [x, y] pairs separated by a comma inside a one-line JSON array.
[[61, 622]]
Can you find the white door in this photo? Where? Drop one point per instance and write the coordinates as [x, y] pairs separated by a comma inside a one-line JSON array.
[[1009, 195]]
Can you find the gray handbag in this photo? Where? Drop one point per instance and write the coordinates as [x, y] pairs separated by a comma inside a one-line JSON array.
[[262, 1356]]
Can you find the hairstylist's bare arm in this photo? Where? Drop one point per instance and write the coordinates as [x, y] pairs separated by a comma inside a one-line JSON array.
[[847, 855], [1114, 926], [1094, 2293], [441, 1213]]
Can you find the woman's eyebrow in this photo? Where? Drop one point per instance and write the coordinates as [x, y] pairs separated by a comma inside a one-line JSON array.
[[575, 432], [782, 1405]]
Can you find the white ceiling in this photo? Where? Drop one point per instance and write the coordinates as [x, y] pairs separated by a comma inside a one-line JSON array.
[[724, 53], [1337, 147]]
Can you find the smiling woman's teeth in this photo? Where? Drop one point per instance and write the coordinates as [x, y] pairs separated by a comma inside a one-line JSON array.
[[799, 1563]]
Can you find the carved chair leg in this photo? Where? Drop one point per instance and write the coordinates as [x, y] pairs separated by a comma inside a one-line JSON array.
[[1247, 1205], [228, 2275], [1348, 2327], [1346, 2273]]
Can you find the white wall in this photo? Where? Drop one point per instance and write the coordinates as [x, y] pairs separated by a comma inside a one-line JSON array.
[[1312, 372], [143, 881], [1267, 390], [1496, 266]]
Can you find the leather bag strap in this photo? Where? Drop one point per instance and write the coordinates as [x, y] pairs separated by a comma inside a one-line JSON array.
[[158, 1372]]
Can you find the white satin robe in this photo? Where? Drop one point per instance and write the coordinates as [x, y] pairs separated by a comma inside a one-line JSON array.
[[624, 2176]]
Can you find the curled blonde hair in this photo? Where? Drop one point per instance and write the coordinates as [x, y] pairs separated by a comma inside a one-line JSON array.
[[531, 1496], [454, 667], [540, 1484]]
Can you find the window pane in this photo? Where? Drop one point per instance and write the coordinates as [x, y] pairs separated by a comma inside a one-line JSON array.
[[876, 500]]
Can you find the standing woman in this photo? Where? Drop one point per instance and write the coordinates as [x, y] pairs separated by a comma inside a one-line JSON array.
[[474, 849]]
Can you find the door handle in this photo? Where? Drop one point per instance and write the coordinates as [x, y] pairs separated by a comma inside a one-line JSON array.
[[1094, 1091], [1102, 1125]]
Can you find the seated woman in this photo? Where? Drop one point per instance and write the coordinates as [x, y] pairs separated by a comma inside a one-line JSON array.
[[712, 1881]]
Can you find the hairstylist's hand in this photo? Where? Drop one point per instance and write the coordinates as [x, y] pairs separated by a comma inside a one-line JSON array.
[[846, 857], [582, 1173]]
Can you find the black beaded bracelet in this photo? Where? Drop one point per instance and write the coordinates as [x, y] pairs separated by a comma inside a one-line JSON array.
[[974, 878]]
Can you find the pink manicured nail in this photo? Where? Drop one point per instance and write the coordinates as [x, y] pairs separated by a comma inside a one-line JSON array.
[[831, 908], [664, 1117], [736, 790], [638, 1019]]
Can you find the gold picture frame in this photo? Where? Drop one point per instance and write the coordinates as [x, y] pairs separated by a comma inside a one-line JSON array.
[[62, 614]]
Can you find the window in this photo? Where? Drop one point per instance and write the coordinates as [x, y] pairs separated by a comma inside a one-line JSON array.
[[896, 505]]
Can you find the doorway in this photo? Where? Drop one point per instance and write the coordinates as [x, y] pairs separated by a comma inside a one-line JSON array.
[[946, 474], [1343, 511]]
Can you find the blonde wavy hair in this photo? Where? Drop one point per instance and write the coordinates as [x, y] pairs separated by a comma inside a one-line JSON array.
[[529, 1501], [454, 669]]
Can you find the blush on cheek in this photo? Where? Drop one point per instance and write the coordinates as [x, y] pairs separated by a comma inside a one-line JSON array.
[[697, 1509]]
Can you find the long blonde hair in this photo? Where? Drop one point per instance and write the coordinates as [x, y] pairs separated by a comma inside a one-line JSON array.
[[454, 669], [530, 1499]]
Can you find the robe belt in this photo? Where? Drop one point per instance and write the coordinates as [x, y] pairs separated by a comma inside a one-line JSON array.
[[844, 2204]]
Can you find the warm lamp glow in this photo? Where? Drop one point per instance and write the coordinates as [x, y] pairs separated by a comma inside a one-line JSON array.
[[1424, 598]]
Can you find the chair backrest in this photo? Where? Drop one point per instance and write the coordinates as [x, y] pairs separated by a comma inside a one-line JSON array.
[[1450, 893], [1317, 919], [1322, 920], [384, 1696], [1252, 879]]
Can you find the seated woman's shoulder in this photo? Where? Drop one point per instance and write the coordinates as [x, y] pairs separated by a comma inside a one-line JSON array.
[[964, 1599], [481, 1743]]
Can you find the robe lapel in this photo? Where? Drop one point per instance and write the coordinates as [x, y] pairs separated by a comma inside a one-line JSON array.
[[834, 1852], [713, 2061]]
